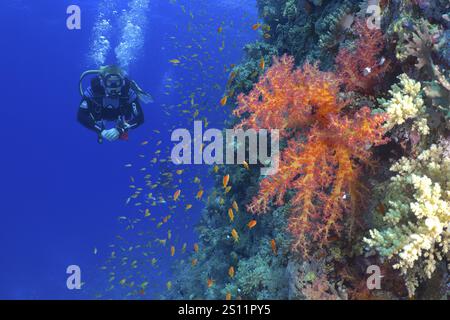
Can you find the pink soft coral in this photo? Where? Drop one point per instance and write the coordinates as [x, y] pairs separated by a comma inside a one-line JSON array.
[[325, 151], [360, 69]]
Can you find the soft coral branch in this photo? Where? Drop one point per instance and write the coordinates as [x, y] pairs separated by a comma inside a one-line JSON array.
[[360, 69], [326, 148]]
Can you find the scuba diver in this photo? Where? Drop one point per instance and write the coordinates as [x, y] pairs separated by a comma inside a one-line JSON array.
[[111, 98]]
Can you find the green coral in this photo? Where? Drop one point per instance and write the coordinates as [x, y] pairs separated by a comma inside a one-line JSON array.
[[416, 231]]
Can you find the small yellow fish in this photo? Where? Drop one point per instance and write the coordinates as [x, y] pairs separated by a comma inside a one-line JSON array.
[[220, 29], [172, 251], [223, 101], [235, 235], [210, 283], [199, 194], [216, 168], [227, 189], [256, 26], [194, 262], [179, 172], [176, 195], [169, 285], [231, 214], [183, 248], [228, 296], [273, 244], [196, 247], [251, 224], [235, 206], [231, 272], [245, 164], [188, 206], [262, 64], [225, 180], [175, 61]]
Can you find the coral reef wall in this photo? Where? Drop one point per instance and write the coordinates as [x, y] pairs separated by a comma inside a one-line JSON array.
[[375, 75]]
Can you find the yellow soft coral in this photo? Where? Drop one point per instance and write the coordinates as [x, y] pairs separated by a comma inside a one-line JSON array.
[[416, 233]]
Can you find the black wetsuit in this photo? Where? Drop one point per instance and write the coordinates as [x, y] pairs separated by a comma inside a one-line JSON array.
[[96, 108]]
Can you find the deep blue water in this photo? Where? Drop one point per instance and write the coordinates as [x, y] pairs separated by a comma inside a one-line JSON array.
[[61, 192]]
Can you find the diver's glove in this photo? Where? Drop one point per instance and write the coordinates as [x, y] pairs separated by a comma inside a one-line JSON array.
[[111, 134]]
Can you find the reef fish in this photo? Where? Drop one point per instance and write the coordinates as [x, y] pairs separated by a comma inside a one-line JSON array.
[[231, 272], [235, 206], [235, 235], [251, 224], [199, 194], [223, 101], [273, 244], [231, 214], [225, 180]]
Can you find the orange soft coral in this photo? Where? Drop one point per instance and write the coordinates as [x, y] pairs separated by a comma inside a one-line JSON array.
[[360, 69], [322, 162]]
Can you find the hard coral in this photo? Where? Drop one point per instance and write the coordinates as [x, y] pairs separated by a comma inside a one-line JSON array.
[[416, 231], [360, 69], [326, 148]]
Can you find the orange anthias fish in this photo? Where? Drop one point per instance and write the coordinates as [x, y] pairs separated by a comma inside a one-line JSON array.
[[231, 214], [210, 283], [176, 195], [235, 235], [273, 244], [195, 247], [251, 224], [235, 206], [223, 101], [172, 251], [199, 194], [262, 63], [194, 262], [231, 272], [228, 296], [256, 26], [225, 180]]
